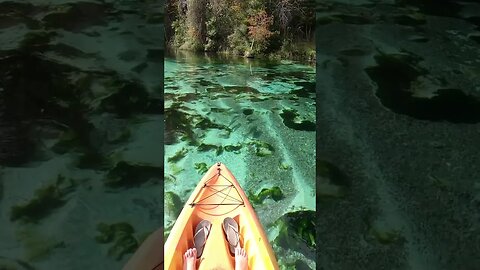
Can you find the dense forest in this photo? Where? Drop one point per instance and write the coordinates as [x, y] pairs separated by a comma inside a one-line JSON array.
[[274, 28]]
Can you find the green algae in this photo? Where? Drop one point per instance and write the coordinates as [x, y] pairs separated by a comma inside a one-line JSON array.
[[125, 174], [37, 246], [180, 154], [296, 228], [290, 119], [233, 148], [262, 149], [173, 204], [414, 19], [247, 111], [201, 168], [178, 125], [210, 147], [285, 166], [397, 78], [46, 200], [274, 193], [120, 235], [206, 123], [175, 170], [385, 235], [128, 97], [203, 147], [331, 182], [36, 39]]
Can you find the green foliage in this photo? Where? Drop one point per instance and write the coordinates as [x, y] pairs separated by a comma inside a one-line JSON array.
[[45, 201], [121, 237], [241, 27], [201, 168], [294, 226], [126, 174], [275, 193]]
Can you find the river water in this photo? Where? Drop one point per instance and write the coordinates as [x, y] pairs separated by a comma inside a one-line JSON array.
[[257, 117]]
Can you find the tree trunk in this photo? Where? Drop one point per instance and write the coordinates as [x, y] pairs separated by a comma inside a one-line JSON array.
[[196, 12]]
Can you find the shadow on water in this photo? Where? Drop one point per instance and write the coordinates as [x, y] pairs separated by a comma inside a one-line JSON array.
[[394, 75]]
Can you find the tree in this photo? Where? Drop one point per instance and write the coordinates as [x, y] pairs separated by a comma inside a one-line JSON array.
[[259, 28]]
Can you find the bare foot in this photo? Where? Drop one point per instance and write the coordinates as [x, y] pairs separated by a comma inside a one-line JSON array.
[[190, 259], [241, 262]]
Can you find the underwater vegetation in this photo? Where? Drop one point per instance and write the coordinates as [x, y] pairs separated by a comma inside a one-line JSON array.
[[46, 200], [295, 229], [331, 182], [274, 193], [14, 264], [126, 174], [78, 16], [129, 97], [261, 149], [177, 125], [201, 168], [120, 236], [37, 246], [173, 204], [180, 154], [395, 75], [290, 119]]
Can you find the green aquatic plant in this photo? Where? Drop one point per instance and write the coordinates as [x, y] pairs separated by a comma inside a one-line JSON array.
[[14, 264], [178, 125], [37, 245], [247, 111], [233, 148], [291, 120], [175, 170], [173, 204], [36, 39], [285, 166], [206, 123], [126, 174], [385, 235], [274, 193], [331, 181], [128, 97], [180, 154], [295, 226], [46, 200], [203, 147], [121, 237], [201, 168], [262, 149], [210, 147]]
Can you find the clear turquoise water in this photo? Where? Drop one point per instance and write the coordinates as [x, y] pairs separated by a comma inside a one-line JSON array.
[[255, 116]]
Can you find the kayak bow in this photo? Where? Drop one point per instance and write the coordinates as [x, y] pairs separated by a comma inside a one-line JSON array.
[[217, 196]]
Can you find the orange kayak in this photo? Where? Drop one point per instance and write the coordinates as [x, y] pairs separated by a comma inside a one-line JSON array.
[[216, 197]]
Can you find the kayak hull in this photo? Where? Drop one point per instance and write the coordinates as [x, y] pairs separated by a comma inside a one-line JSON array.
[[218, 195]]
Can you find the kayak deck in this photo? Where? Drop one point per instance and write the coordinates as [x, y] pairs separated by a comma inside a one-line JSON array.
[[217, 196]]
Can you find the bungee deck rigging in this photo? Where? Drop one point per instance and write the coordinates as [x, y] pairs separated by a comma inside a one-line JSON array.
[[238, 200]]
